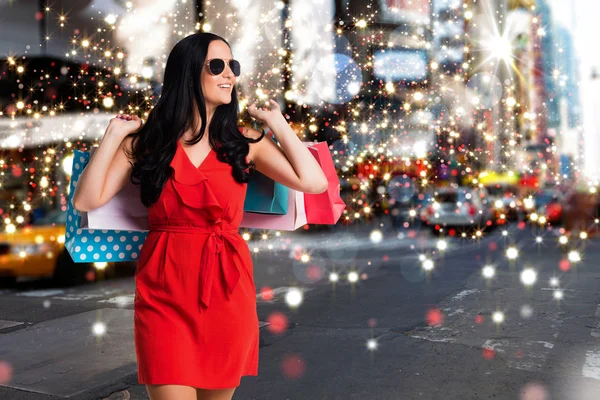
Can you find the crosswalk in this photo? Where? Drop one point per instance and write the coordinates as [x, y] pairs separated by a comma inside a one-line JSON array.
[[123, 296], [591, 367], [533, 333], [346, 242]]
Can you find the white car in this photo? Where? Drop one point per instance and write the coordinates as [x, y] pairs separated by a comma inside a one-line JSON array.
[[461, 207]]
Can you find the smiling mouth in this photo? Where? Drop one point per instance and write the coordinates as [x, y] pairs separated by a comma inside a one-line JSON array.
[[225, 87]]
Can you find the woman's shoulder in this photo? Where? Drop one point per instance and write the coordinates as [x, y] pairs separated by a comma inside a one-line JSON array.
[[249, 132]]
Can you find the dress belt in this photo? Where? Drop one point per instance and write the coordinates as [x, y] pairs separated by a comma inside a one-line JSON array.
[[212, 256]]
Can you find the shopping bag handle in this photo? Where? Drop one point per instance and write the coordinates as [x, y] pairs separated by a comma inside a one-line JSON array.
[[255, 126]]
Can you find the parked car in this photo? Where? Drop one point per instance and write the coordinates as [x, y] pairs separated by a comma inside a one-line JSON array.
[[505, 201], [461, 207], [414, 211], [38, 250], [550, 204]]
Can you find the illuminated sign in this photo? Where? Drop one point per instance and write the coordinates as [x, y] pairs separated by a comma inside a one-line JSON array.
[[392, 11], [395, 65]]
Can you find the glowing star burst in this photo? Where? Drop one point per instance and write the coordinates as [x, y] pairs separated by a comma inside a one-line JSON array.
[[99, 328], [111, 19], [427, 265], [376, 236], [563, 239], [372, 344], [488, 272], [353, 277], [498, 317], [512, 253], [526, 311], [558, 294], [294, 297], [533, 217], [574, 256], [554, 282], [442, 245], [334, 277], [528, 276]]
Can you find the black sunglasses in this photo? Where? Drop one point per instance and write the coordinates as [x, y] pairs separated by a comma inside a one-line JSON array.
[[216, 66]]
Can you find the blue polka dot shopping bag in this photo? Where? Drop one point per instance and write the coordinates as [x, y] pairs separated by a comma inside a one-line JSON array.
[[92, 245]]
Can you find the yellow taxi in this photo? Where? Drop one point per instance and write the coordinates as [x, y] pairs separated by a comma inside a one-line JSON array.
[[38, 250]]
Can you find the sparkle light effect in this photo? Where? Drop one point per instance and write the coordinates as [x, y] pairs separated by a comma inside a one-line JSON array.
[[294, 297], [528, 276], [99, 328], [376, 236], [488, 272], [427, 265], [334, 277], [371, 135], [372, 344], [512, 253], [526, 311], [278, 323], [574, 256], [498, 317], [6, 372]]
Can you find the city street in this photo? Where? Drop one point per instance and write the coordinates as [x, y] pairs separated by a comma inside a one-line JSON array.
[[397, 333], [417, 182]]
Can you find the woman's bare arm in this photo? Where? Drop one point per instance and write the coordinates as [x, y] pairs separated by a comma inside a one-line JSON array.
[[108, 170]]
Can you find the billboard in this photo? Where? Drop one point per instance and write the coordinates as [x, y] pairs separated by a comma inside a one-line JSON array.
[[398, 65], [391, 11], [407, 11], [448, 37]]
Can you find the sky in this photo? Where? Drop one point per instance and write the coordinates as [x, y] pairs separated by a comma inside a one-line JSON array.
[[581, 17]]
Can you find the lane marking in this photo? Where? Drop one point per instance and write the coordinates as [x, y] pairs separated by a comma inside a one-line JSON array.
[[463, 294], [9, 324], [596, 330], [430, 339], [279, 291], [121, 301], [41, 293], [591, 368], [524, 355]]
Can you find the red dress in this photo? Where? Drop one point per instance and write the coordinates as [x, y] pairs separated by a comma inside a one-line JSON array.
[[195, 319]]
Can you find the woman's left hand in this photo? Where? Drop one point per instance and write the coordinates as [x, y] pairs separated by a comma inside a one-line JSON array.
[[265, 114]]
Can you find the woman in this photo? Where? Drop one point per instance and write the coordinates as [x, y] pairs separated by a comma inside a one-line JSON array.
[[196, 327]]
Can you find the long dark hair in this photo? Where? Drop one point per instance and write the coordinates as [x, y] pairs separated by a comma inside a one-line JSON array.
[[155, 143]]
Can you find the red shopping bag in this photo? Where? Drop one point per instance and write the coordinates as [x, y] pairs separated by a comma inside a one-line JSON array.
[[327, 207]]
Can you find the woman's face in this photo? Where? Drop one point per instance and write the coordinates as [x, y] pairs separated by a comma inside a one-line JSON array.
[[214, 93]]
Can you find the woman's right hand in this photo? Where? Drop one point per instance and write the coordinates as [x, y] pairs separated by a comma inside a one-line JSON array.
[[124, 124]]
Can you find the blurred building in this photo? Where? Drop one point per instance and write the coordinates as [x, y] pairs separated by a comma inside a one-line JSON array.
[[571, 134], [566, 63], [549, 62], [382, 60], [561, 77], [485, 82]]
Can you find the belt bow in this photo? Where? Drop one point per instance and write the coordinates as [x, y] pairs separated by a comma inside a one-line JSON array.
[[218, 251]]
